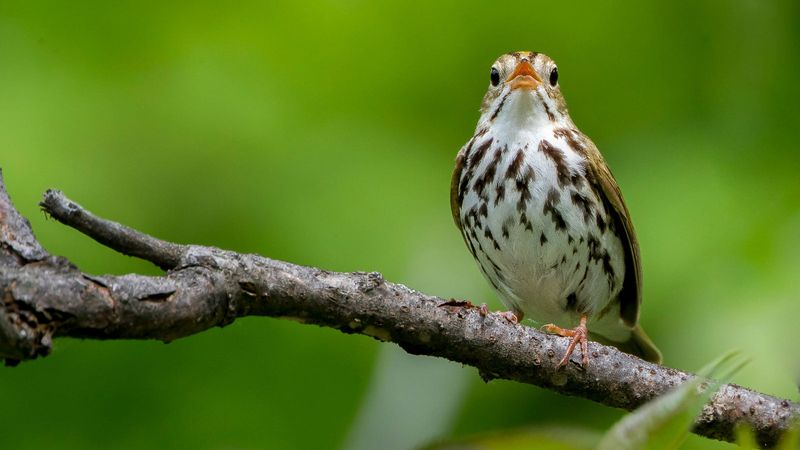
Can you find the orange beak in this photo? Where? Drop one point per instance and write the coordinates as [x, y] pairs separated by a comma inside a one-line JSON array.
[[524, 77]]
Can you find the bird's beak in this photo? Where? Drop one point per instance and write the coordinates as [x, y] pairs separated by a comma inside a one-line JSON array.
[[524, 77]]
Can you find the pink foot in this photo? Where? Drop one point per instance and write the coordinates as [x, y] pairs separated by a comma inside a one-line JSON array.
[[509, 316], [579, 335]]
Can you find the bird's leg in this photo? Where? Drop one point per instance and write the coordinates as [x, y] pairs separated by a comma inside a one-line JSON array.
[[579, 335], [514, 316]]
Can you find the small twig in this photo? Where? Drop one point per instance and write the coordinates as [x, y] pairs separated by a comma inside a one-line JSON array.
[[45, 296], [125, 240]]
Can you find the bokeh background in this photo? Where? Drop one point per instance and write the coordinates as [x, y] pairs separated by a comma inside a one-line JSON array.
[[323, 133]]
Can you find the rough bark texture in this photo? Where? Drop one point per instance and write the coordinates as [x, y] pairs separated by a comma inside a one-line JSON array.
[[45, 296]]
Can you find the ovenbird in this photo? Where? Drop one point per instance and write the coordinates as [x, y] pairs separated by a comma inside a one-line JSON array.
[[544, 217]]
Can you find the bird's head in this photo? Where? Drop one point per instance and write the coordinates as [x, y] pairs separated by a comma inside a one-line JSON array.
[[524, 89]]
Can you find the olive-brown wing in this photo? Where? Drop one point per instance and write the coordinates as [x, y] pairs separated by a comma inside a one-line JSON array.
[[630, 297]]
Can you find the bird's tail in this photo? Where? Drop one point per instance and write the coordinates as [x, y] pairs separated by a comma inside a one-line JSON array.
[[640, 345]]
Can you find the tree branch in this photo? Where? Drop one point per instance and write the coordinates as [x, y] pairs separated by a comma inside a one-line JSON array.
[[45, 296], [126, 240]]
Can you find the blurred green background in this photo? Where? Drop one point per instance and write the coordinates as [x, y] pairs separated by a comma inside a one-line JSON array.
[[324, 134]]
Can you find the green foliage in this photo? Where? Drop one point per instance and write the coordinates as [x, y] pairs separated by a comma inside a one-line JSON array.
[[661, 424], [324, 133], [745, 438], [542, 438], [791, 441], [664, 423]]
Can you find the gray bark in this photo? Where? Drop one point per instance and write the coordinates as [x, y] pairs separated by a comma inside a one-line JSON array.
[[45, 296]]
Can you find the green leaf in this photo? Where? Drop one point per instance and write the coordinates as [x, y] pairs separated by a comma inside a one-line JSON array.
[[664, 422], [745, 437], [790, 440], [540, 438]]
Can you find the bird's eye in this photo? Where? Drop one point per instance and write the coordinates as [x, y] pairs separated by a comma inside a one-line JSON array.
[[494, 77], [554, 76]]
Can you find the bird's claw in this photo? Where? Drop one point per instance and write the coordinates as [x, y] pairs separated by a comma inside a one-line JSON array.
[[509, 316], [579, 335]]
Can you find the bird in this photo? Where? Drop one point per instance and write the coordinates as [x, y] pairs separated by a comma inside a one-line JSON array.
[[542, 214]]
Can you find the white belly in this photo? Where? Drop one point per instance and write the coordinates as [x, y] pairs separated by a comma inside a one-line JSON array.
[[541, 236]]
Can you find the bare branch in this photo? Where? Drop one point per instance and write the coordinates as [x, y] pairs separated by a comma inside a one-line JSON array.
[[125, 240], [46, 296]]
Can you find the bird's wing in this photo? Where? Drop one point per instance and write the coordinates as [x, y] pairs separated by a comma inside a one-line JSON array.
[[631, 294]]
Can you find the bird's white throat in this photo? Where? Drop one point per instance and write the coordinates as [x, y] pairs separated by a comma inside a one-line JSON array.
[[520, 112]]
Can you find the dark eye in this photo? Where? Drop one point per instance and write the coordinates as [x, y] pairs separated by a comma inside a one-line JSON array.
[[554, 76], [494, 77]]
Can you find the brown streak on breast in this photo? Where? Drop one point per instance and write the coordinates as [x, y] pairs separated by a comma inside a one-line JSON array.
[[557, 156], [549, 207], [516, 163], [470, 164], [547, 111], [499, 107], [488, 176], [583, 203], [569, 136]]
